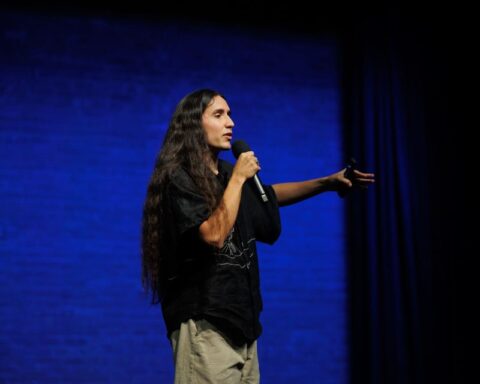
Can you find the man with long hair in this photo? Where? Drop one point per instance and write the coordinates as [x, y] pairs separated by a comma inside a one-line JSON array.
[[201, 219]]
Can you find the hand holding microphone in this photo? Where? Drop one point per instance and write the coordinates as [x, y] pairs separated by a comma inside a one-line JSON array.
[[247, 165]]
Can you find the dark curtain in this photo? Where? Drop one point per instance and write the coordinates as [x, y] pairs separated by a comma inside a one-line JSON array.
[[405, 233]]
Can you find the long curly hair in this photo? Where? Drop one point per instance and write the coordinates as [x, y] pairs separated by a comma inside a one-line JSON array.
[[184, 146]]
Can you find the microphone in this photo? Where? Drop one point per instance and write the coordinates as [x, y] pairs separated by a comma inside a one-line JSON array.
[[349, 175], [238, 147]]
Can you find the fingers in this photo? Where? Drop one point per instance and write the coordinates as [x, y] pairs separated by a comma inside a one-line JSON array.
[[363, 175], [247, 164], [364, 181], [250, 156]]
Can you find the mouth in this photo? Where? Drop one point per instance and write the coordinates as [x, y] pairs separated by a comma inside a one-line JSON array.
[[229, 135]]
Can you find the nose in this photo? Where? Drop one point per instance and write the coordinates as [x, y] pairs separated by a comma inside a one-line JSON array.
[[230, 122]]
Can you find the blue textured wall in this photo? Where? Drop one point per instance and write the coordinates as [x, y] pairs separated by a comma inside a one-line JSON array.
[[84, 104]]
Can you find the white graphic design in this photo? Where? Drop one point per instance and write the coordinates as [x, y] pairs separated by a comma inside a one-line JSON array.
[[231, 255]]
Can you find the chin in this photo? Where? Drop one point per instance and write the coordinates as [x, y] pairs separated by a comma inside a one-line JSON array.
[[225, 146], [221, 147]]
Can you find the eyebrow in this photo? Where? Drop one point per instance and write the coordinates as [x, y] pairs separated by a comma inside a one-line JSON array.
[[221, 110]]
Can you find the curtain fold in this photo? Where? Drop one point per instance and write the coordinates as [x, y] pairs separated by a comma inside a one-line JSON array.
[[399, 305]]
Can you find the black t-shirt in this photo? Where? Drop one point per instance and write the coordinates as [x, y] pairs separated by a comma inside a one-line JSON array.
[[220, 285]]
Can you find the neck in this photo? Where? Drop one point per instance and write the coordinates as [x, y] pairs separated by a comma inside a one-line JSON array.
[[213, 161]]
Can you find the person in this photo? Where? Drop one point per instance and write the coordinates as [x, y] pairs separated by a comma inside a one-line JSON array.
[[201, 219]]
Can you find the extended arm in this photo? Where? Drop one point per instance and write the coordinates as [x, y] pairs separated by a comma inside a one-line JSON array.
[[294, 192]]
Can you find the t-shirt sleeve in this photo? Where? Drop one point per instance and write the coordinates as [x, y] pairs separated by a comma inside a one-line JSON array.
[[187, 205], [265, 217]]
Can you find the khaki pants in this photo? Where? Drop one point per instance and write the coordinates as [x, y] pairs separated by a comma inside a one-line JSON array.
[[203, 354]]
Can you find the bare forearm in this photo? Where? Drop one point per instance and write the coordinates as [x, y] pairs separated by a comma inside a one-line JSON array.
[[290, 193], [215, 230]]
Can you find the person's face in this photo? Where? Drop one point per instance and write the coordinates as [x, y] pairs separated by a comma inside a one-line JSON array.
[[217, 124]]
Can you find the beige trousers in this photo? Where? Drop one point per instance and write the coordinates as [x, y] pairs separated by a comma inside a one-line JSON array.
[[203, 354]]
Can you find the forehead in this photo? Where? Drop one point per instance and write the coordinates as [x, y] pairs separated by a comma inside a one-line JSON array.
[[218, 102]]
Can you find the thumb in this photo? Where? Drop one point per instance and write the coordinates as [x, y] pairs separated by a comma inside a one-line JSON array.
[[346, 182]]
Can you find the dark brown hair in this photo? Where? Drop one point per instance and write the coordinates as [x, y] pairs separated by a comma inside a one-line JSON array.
[[184, 146]]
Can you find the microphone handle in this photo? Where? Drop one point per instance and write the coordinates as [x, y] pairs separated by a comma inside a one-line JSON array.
[[260, 188]]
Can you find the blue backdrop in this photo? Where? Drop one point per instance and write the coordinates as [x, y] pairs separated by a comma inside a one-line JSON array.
[[84, 105]]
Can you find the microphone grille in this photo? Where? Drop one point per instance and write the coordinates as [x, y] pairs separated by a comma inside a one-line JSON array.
[[238, 147]]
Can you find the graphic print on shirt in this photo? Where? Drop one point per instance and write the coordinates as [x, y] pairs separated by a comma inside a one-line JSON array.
[[234, 254]]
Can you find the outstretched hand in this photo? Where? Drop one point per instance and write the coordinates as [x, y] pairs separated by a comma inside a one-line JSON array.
[[341, 183]]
